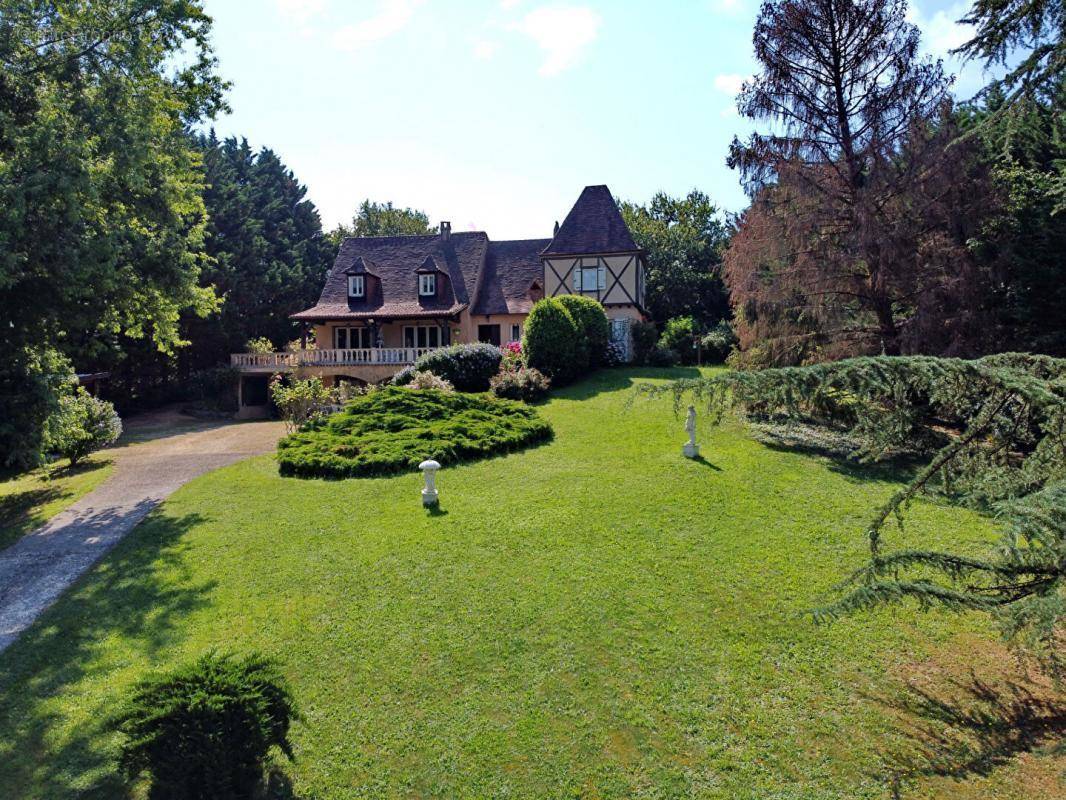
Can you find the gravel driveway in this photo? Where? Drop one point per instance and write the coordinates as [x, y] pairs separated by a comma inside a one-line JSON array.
[[166, 450]]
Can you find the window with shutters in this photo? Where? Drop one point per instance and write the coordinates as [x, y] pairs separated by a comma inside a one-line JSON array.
[[590, 280]]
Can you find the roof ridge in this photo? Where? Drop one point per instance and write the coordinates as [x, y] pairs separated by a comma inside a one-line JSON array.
[[410, 236]]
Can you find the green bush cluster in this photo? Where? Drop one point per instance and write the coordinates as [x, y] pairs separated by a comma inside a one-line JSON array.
[[565, 337], [214, 389], [204, 731], [82, 424], [592, 328], [393, 429], [521, 383], [31, 382], [467, 367], [719, 343], [679, 335], [645, 337]]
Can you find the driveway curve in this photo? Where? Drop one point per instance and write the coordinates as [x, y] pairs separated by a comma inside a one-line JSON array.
[[41, 565]]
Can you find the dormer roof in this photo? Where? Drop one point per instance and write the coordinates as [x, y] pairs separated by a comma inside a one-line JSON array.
[[429, 265], [359, 267]]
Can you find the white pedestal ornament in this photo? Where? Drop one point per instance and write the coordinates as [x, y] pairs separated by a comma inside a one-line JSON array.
[[429, 492], [690, 448]]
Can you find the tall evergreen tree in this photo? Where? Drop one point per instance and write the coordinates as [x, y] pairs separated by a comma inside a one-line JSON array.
[[268, 254]]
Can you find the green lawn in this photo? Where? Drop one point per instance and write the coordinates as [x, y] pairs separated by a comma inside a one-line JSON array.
[[594, 617], [30, 499]]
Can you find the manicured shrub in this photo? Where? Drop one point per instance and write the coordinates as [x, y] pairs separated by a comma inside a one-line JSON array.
[[467, 367], [551, 343], [679, 335], [82, 425], [524, 383], [718, 344], [204, 731], [393, 429], [663, 357], [645, 337], [592, 327], [427, 380]]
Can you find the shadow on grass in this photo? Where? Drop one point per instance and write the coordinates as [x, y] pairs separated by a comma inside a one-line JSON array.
[[968, 728], [125, 596], [611, 380], [709, 464], [23, 511]]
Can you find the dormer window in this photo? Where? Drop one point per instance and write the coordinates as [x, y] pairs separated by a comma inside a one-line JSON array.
[[427, 285], [356, 286]]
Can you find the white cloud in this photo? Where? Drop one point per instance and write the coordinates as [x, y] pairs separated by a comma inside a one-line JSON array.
[[392, 17], [941, 33], [484, 49], [562, 32], [729, 83], [509, 4]]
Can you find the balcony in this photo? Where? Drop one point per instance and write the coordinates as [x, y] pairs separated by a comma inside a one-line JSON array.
[[366, 357]]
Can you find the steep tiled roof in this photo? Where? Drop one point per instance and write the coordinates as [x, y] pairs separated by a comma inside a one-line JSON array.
[[392, 285], [594, 225], [510, 269]]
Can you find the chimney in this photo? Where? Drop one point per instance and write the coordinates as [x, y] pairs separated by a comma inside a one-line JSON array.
[[556, 233], [445, 231]]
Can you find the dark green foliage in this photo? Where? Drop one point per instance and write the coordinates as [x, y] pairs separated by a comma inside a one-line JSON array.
[[993, 435], [31, 383], [523, 383], [467, 367], [214, 388], [593, 329], [101, 218], [679, 335], [551, 342], [663, 357], [645, 337], [394, 429], [684, 239], [718, 344], [204, 731], [269, 256]]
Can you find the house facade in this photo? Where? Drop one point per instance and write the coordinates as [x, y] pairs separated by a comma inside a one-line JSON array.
[[388, 300]]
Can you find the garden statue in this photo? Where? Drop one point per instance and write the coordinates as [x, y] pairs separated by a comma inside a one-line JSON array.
[[429, 493], [691, 449]]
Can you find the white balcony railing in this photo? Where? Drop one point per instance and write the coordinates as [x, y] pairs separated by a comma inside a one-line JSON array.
[[398, 356]]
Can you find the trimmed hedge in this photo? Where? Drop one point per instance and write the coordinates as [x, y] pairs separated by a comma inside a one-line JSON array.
[[204, 731], [592, 328], [467, 367], [393, 429], [551, 341]]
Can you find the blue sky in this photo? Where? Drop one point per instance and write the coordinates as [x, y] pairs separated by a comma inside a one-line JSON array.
[[495, 113]]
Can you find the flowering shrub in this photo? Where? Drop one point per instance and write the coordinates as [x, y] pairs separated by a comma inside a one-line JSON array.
[[260, 345], [614, 355], [513, 357], [524, 383], [467, 367], [421, 379], [299, 401], [82, 425]]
